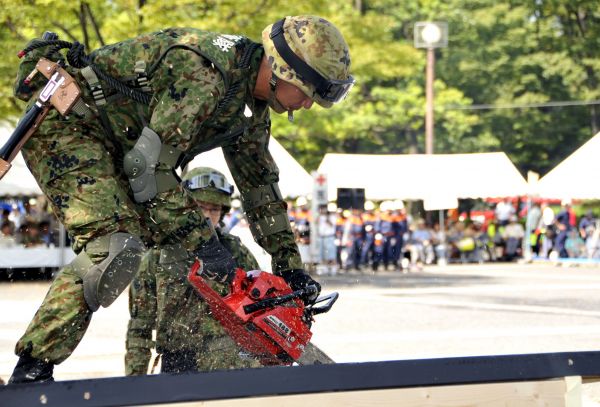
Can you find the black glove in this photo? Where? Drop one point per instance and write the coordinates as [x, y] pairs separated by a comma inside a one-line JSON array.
[[299, 279], [217, 263]]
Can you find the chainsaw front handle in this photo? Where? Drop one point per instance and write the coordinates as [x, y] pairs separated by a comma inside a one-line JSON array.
[[329, 300]]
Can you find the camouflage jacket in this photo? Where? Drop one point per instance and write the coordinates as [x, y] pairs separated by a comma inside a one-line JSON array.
[[201, 99], [161, 299]]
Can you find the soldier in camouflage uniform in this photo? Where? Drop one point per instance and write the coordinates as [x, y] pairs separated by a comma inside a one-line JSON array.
[[187, 337], [110, 172]]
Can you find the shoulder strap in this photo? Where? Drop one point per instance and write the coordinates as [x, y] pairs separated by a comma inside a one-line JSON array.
[[244, 63]]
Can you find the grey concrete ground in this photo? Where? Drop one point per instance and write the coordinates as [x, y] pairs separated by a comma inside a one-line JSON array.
[[439, 312]]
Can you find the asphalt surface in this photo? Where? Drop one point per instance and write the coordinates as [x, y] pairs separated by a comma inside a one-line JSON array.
[[458, 310]]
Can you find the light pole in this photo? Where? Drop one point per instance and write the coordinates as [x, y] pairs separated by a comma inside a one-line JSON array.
[[430, 35]]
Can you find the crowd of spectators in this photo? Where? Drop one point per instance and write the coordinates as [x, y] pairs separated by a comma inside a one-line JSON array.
[[385, 236], [27, 223], [562, 234]]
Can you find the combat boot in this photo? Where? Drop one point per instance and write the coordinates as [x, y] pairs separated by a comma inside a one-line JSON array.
[[32, 370]]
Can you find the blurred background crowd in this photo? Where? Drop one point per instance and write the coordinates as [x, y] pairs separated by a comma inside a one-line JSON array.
[[28, 222], [388, 235]]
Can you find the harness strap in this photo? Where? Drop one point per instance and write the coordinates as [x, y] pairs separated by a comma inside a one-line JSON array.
[[95, 86], [100, 101], [142, 77]]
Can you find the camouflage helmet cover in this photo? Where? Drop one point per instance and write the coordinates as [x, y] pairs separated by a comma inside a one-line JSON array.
[[316, 41], [208, 194]]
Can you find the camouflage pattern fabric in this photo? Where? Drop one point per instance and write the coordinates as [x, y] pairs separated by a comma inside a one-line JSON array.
[[79, 168], [49, 336], [316, 41], [160, 298]]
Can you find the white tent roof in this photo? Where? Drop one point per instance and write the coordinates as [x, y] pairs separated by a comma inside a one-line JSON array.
[[293, 178], [571, 178], [18, 180], [421, 176]]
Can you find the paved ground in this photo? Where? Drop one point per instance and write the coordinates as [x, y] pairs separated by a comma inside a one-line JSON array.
[[439, 312]]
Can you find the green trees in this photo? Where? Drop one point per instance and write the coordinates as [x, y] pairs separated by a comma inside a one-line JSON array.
[[522, 53], [499, 53]]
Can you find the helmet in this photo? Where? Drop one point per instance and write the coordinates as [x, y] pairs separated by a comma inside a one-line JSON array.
[[369, 205], [209, 185], [397, 204], [301, 201], [386, 206], [236, 203], [310, 53]]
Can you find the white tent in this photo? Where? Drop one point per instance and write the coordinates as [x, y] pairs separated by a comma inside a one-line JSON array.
[[293, 179], [573, 177], [421, 176], [18, 181]]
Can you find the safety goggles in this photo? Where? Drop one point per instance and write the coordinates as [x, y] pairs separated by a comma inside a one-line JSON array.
[[209, 180], [330, 90]]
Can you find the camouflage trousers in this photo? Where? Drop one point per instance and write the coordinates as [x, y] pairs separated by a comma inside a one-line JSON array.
[[161, 298], [78, 170]]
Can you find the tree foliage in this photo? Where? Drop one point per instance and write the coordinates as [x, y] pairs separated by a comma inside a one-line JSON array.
[[499, 53]]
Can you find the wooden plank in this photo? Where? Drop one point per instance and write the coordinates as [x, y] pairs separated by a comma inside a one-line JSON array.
[[562, 392]]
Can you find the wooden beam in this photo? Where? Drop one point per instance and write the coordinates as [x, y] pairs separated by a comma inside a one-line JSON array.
[[562, 392]]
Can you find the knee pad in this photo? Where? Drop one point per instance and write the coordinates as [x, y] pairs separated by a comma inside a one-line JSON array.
[[105, 281], [141, 166]]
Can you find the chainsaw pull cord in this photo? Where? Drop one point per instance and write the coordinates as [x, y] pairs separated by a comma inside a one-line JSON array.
[[78, 59]]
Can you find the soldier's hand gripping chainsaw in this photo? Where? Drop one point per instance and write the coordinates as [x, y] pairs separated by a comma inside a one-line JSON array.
[[61, 92], [265, 317]]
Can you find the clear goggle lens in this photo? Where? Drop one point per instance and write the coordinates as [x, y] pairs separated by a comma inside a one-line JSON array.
[[209, 180]]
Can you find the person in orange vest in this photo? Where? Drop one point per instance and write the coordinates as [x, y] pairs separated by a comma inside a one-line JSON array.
[[369, 221], [400, 227], [385, 239], [356, 239]]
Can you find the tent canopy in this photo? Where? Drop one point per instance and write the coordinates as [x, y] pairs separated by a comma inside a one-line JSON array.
[[294, 181], [573, 177], [18, 181], [422, 176]]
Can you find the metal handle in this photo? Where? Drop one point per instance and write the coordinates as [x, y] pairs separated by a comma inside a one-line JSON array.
[[329, 300]]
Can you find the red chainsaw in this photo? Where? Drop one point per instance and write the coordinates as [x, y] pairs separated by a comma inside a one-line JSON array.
[[266, 317]]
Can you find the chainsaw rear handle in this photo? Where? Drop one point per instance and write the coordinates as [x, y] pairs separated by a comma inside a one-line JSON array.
[[271, 302]]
